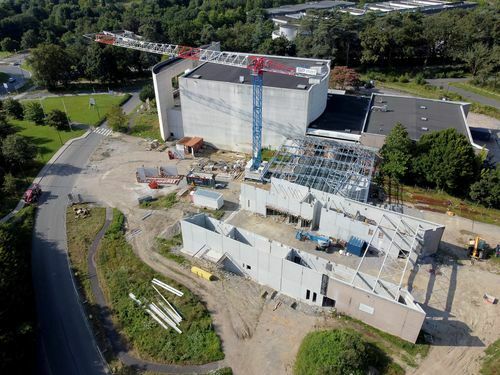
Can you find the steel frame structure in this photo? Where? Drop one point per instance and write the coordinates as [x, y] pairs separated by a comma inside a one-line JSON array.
[[408, 241], [326, 165]]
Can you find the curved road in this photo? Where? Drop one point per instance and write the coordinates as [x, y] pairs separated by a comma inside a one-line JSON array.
[[65, 344]]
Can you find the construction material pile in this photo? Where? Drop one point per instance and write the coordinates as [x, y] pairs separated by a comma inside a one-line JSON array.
[[162, 311], [81, 212], [225, 171], [166, 175]]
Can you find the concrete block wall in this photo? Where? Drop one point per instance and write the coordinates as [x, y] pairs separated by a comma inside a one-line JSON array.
[[267, 262], [334, 224], [379, 312]]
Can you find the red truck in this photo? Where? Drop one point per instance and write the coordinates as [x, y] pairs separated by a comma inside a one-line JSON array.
[[32, 194]]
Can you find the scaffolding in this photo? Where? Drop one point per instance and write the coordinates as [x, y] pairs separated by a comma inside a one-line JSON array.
[[326, 165]]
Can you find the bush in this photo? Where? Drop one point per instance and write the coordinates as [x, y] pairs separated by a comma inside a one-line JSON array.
[[486, 191], [57, 119], [33, 111], [147, 92], [13, 108], [405, 78], [420, 80], [341, 351], [117, 120]]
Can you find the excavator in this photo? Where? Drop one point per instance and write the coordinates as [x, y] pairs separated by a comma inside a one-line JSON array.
[[476, 248]]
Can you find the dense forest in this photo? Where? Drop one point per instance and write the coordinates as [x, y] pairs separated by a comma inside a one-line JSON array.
[[467, 37]]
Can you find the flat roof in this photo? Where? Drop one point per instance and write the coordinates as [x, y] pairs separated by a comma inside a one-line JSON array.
[[224, 73], [419, 116], [294, 8], [343, 113], [208, 194]]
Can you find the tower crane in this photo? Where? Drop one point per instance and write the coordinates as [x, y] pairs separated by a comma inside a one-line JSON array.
[[255, 63]]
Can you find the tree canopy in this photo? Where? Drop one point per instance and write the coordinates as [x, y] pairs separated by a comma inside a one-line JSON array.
[[397, 153]]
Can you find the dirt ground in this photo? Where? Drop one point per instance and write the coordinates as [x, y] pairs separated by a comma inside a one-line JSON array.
[[259, 339]]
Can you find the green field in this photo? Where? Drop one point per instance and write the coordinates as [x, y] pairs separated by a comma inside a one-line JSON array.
[[145, 125], [78, 107], [4, 54], [46, 138], [121, 272]]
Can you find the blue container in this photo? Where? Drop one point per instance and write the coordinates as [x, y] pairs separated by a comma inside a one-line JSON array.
[[356, 246]]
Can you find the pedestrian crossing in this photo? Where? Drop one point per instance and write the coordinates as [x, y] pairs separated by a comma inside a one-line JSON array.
[[105, 132]]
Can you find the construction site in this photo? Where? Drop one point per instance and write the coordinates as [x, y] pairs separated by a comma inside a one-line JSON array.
[[280, 245]]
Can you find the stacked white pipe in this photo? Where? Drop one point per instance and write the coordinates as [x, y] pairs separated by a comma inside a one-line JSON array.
[[162, 312]]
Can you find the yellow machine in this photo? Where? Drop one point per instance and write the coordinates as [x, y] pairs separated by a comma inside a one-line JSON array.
[[476, 248]]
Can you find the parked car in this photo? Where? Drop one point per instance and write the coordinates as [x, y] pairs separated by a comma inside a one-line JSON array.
[[12, 80]]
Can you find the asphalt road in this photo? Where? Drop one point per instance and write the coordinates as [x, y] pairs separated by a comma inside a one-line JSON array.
[[15, 71], [445, 84], [65, 342]]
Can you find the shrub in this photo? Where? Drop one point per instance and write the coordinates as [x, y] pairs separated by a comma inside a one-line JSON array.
[[13, 108], [339, 351], [33, 111], [57, 119], [147, 92]]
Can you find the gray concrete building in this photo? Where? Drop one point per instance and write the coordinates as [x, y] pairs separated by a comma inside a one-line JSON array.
[[215, 102]]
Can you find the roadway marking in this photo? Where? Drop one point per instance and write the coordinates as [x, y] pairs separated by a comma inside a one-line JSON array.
[[103, 131]]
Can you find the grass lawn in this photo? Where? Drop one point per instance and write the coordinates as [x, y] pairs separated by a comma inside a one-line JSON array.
[[442, 202], [121, 272], [4, 54], [46, 138], [78, 106], [164, 202], [164, 247], [489, 93], [491, 362], [80, 233], [145, 125]]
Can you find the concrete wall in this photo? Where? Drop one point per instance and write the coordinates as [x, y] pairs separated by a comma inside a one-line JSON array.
[[337, 225], [164, 91], [274, 264], [389, 316], [221, 112]]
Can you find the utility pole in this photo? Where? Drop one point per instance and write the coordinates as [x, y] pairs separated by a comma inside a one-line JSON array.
[[67, 116]]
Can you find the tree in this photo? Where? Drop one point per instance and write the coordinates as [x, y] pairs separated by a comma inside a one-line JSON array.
[[13, 108], [117, 119], [445, 160], [17, 151], [51, 65], [477, 57], [57, 119], [9, 186], [487, 190], [30, 39], [33, 111], [342, 77], [8, 44], [147, 92], [396, 153], [334, 352]]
